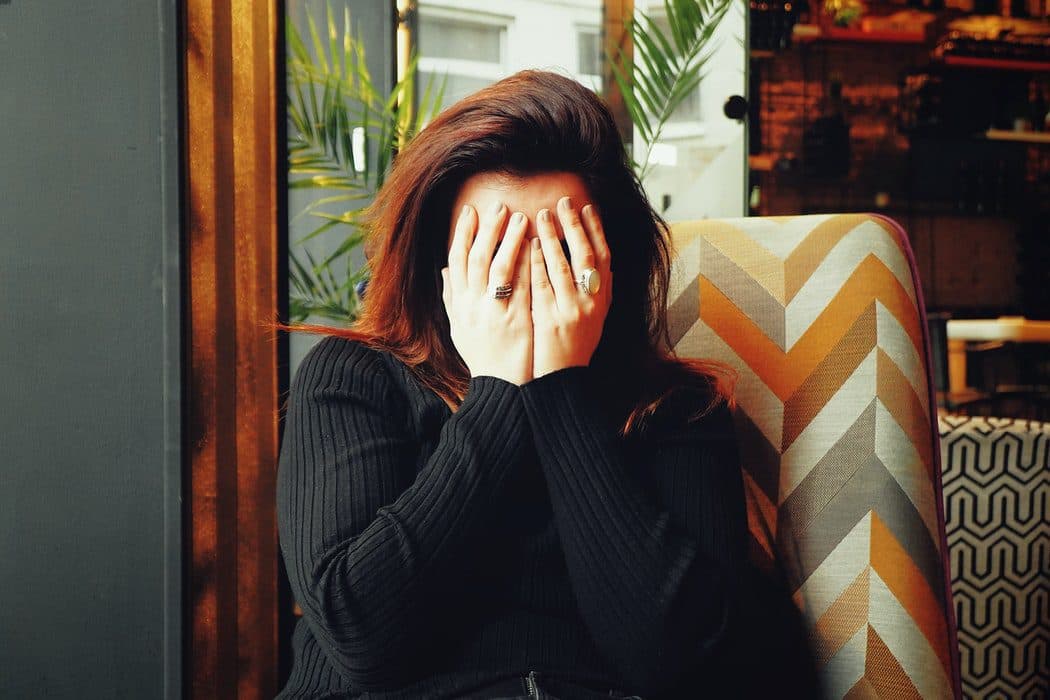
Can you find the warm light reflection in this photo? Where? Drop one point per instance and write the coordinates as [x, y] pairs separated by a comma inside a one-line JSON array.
[[403, 49], [404, 35]]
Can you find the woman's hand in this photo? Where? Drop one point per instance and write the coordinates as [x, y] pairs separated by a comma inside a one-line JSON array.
[[567, 321], [493, 336]]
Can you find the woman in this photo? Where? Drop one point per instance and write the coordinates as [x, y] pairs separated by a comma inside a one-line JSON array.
[[500, 482]]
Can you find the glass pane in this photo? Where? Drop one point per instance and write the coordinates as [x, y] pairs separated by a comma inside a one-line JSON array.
[[689, 109], [589, 51], [447, 37], [330, 175], [456, 86], [477, 42], [696, 167]]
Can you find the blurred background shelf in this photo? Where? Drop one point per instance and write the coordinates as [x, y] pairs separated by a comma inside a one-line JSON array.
[[935, 117], [996, 63], [836, 34], [1018, 136]]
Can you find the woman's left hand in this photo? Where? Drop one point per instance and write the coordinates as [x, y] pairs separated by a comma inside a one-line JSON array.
[[567, 321]]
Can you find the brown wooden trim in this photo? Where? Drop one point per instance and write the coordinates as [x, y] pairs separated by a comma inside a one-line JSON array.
[[231, 107], [615, 38]]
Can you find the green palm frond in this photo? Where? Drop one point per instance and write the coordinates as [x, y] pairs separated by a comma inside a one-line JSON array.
[[314, 291], [331, 96], [667, 66]]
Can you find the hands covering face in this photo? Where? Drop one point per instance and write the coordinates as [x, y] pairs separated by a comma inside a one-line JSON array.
[[548, 321]]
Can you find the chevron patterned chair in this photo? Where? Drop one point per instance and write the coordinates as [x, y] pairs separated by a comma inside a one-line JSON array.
[[823, 318]]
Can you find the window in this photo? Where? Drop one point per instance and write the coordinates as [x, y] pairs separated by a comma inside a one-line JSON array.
[[463, 40], [589, 51], [688, 110], [473, 43], [456, 86], [467, 50]]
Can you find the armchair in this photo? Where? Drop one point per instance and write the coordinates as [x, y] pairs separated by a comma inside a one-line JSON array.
[[822, 316], [996, 486]]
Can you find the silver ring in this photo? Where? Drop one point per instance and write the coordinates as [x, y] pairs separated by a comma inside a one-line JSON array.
[[589, 281], [503, 291]]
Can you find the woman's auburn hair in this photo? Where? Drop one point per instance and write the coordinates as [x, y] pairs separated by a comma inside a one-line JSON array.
[[528, 123]]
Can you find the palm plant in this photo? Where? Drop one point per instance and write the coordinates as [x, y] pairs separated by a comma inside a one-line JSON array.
[[343, 134], [669, 65]]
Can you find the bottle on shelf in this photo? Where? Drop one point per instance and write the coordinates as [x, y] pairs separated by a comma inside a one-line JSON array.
[[826, 149], [805, 14], [1037, 108], [772, 22]]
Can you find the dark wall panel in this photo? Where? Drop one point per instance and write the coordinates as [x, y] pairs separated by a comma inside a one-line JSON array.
[[89, 352]]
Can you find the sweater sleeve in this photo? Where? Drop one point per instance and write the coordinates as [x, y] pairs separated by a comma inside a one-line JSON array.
[[655, 585], [367, 552]]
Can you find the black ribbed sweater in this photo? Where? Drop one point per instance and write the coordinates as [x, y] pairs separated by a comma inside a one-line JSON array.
[[433, 551]]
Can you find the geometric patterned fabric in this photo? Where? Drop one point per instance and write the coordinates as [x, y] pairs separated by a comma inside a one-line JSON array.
[[996, 490], [822, 318]]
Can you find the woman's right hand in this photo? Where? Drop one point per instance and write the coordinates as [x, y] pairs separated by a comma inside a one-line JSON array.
[[493, 336]]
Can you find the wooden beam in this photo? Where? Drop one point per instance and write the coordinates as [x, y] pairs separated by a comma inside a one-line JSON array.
[[616, 38], [231, 98]]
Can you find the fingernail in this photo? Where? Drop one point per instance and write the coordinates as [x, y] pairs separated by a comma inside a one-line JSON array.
[[497, 207], [516, 219], [545, 215], [566, 203], [465, 210], [588, 210]]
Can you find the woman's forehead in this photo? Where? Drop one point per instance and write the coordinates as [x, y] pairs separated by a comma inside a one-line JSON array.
[[527, 194]]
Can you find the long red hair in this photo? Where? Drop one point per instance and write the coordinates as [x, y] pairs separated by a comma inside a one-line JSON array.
[[528, 123]]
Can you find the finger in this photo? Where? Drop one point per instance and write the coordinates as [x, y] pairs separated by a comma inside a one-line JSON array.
[[521, 299], [580, 252], [462, 236], [479, 259], [593, 225], [502, 269], [446, 291], [558, 270], [543, 302]]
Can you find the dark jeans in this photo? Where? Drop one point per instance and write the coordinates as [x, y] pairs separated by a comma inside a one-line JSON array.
[[536, 685]]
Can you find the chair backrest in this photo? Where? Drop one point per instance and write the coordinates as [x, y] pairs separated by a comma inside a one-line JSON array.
[[823, 319], [996, 488]]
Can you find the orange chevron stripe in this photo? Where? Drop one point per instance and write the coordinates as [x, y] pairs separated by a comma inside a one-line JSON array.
[[683, 234], [897, 395], [909, 586], [761, 514], [748, 341], [783, 372], [885, 673], [805, 259], [827, 378], [841, 620], [871, 280]]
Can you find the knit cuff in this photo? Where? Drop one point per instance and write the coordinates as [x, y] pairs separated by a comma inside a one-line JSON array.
[[561, 384], [494, 405], [489, 382]]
